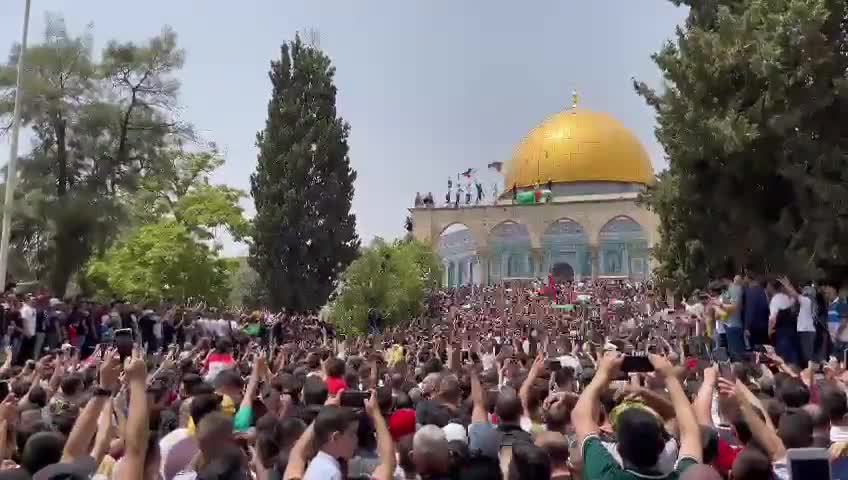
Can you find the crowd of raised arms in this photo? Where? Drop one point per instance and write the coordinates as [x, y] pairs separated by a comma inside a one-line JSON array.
[[586, 380]]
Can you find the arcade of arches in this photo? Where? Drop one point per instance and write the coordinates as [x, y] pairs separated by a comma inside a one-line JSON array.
[[481, 245]]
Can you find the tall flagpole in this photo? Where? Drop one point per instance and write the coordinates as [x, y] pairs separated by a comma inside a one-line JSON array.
[[11, 169]]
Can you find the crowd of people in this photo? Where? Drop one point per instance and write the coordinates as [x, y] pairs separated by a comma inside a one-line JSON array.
[[586, 380]]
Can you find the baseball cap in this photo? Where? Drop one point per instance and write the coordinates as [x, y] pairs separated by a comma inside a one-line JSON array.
[[402, 423]]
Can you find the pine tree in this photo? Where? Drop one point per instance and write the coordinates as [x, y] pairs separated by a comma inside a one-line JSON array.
[[752, 122], [304, 232]]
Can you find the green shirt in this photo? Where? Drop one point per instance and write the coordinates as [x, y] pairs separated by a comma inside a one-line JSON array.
[[598, 464], [253, 329]]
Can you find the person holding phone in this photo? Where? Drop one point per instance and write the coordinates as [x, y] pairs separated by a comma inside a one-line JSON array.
[[639, 432]]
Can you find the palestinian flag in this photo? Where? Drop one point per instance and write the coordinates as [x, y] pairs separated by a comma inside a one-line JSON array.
[[468, 173], [496, 166]]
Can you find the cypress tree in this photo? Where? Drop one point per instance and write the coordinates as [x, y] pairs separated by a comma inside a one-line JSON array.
[[304, 233]]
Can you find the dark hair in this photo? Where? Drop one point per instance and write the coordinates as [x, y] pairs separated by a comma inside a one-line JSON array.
[[751, 464], [229, 378], [313, 361], [529, 461], [228, 465], [223, 345], [508, 407], [640, 439], [796, 429], [190, 381], [72, 384], [38, 396], [332, 419], [793, 393], [314, 391], [833, 402], [335, 367], [42, 449], [202, 405]]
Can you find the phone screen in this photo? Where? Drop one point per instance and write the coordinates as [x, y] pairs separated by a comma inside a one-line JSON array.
[[124, 342], [636, 363], [354, 398], [809, 468]]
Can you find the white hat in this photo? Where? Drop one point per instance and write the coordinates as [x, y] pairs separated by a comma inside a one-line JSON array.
[[455, 431], [54, 301]]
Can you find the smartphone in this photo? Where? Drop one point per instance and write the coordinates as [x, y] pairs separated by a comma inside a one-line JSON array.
[[636, 363], [554, 365], [845, 358], [4, 389], [354, 398], [808, 463], [124, 342], [464, 356]]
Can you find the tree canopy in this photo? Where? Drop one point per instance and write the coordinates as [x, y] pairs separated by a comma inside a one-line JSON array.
[[304, 232], [393, 278], [752, 126], [171, 253], [100, 124]]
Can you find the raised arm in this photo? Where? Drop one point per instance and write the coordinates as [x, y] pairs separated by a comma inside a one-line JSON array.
[[79, 440], [690, 432], [385, 445], [478, 411], [138, 420], [104, 433], [703, 403], [586, 410], [524, 391], [241, 422]]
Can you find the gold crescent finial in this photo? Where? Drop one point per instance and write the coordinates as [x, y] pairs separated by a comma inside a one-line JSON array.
[[574, 98]]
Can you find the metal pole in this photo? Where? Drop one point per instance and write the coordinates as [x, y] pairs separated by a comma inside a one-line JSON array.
[[11, 169]]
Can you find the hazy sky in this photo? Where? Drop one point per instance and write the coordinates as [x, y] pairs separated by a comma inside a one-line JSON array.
[[429, 87]]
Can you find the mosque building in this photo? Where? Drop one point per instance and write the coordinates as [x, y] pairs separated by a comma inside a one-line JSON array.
[[582, 172]]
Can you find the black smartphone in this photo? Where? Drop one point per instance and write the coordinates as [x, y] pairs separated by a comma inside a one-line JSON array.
[[844, 358], [554, 365], [354, 398], [124, 342], [4, 389], [464, 356], [636, 363]]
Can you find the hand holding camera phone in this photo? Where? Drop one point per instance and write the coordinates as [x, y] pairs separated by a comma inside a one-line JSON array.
[[354, 398]]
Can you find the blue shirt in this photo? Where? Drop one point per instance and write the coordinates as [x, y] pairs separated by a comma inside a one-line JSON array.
[[836, 310], [734, 294]]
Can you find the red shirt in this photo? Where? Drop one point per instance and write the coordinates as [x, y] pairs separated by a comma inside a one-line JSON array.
[[335, 384]]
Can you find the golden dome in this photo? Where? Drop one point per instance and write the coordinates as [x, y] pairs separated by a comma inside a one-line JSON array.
[[579, 145]]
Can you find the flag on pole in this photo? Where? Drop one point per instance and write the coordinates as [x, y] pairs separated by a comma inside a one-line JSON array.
[[496, 166], [468, 173]]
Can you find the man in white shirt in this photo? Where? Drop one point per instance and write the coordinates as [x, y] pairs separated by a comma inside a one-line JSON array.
[[28, 313], [806, 323], [781, 327]]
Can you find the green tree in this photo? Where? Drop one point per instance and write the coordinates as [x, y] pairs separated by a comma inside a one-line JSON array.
[[247, 287], [163, 260], [751, 122], [304, 232], [173, 255], [393, 278], [98, 128]]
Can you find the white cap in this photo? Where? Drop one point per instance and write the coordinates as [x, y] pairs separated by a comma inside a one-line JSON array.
[[55, 301], [455, 431]]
